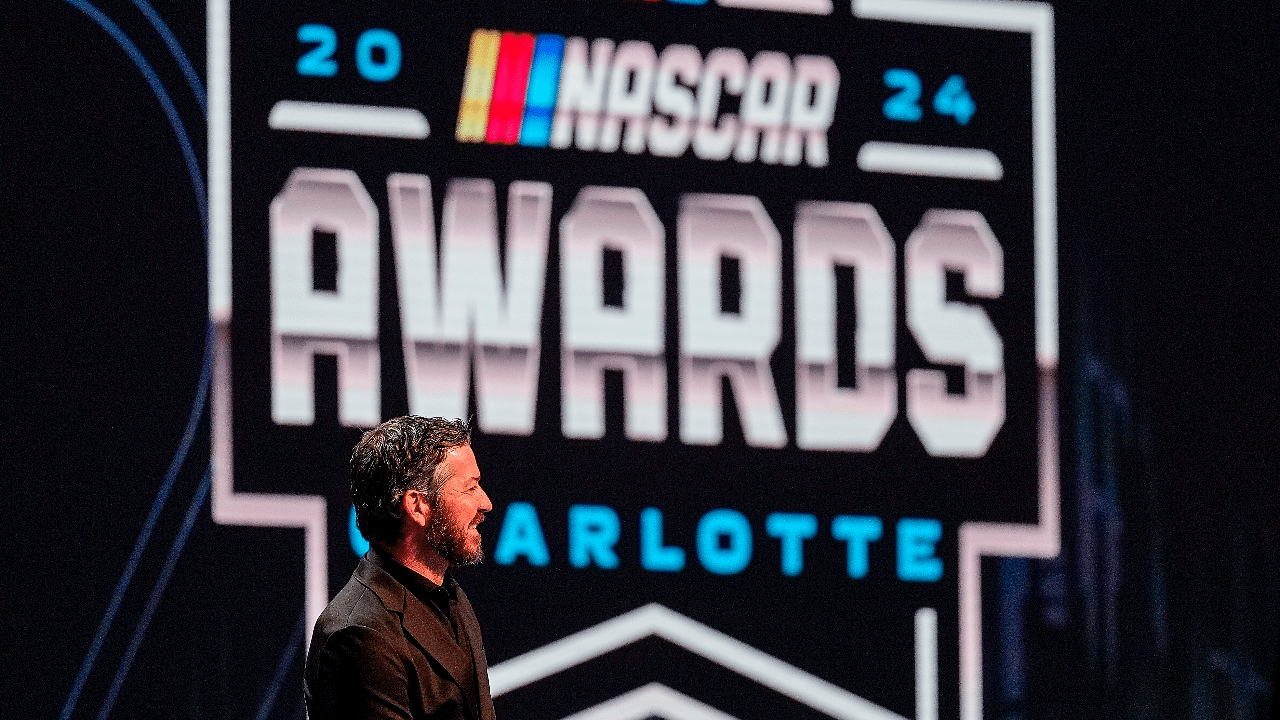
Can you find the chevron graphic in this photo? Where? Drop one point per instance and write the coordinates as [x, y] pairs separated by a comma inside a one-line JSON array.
[[658, 620], [652, 700]]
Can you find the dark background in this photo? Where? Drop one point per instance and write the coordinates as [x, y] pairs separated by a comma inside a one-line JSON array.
[[1163, 604]]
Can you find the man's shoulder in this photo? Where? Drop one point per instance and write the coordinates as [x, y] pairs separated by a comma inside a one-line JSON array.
[[370, 599]]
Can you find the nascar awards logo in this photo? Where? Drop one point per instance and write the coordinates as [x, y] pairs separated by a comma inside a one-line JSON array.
[[552, 91]]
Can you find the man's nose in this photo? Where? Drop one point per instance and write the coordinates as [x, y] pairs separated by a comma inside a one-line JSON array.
[[485, 504]]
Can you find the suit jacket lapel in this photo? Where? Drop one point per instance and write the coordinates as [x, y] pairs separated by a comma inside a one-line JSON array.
[[424, 627], [434, 635], [472, 628]]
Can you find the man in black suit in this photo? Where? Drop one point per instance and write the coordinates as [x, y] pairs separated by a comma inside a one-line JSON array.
[[400, 640]]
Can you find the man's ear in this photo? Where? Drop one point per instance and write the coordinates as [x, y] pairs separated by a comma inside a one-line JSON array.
[[415, 508]]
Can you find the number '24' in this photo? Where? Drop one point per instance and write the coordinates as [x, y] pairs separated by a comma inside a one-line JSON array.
[[951, 99]]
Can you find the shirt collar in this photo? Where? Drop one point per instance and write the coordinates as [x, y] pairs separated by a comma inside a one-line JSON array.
[[420, 586]]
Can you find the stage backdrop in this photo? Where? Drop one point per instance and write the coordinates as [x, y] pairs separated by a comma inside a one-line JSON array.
[[758, 329], [753, 305]]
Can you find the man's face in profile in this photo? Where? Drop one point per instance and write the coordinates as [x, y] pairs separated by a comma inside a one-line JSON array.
[[458, 509]]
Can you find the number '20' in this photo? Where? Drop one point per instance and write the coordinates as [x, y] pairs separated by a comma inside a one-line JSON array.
[[319, 60]]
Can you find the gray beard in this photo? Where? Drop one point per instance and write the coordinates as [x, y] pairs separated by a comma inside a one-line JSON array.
[[451, 540]]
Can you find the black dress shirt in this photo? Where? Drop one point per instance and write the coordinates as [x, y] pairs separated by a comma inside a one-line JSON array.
[[443, 599]]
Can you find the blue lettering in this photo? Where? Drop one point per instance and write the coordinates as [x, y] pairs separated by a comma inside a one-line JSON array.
[[731, 525], [904, 105], [724, 541], [318, 61], [653, 555], [792, 529], [593, 531], [371, 68], [859, 532], [916, 540], [521, 535]]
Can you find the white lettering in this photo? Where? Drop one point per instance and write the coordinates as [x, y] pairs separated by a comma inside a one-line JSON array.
[[628, 338], [813, 109], [341, 322], [468, 306], [764, 108], [635, 97], [830, 417], [630, 97], [715, 343], [468, 303], [952, 333], [725, 67], [678, 64], [581, 96]]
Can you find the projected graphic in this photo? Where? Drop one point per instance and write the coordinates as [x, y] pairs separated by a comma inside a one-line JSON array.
[[758, 328]]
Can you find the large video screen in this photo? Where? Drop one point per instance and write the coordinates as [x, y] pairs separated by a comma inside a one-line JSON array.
[[826, 359], [753, 306]]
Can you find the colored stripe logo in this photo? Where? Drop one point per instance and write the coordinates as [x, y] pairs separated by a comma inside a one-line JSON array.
[[509, 93], [605, 95]]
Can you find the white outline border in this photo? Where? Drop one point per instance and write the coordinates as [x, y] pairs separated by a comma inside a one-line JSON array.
[[1035, 18], [976, 539], [228, 506]]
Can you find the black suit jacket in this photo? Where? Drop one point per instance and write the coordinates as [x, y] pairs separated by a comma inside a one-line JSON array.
[[380, 652]]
